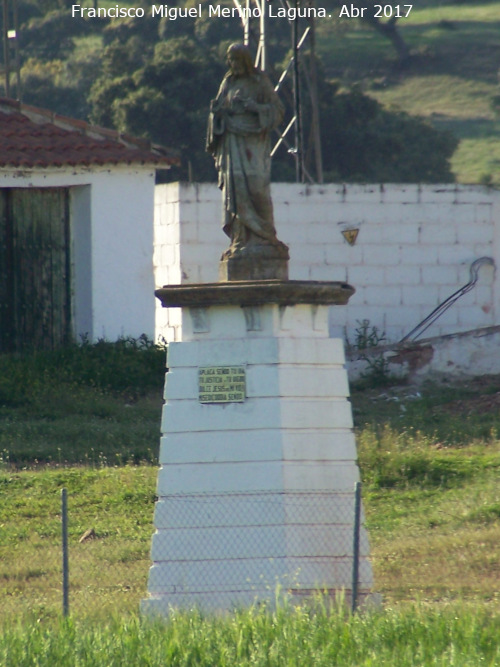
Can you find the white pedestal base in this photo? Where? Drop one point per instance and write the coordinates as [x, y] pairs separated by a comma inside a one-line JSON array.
[[258, 494]]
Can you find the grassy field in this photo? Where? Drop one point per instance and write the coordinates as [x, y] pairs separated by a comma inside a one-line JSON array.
[[450, 80], [430, 460], [413, 637], [88, 404]]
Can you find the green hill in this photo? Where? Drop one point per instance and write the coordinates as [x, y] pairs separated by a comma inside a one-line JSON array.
[[451, 80]]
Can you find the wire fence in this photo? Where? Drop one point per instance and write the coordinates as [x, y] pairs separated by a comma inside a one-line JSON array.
[[218, 550], [221, 545], [52, 563]]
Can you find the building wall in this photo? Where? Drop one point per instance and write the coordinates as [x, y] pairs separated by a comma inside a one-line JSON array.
[[111, 220], [414, 248]]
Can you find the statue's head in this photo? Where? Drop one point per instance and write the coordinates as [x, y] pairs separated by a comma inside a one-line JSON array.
[[240, 60]]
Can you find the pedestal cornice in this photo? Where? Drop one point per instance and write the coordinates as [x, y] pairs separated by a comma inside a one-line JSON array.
[[255, 292]]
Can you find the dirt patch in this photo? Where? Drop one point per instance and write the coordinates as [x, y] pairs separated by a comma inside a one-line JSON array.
[[469, 396], [481, 395], [467, 406], [483, 398]]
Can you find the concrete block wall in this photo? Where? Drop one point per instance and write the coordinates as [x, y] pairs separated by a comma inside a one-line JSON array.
[[414, 248]]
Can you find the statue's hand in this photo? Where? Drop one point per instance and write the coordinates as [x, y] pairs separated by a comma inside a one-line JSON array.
[[240, 104], [250, 105], [237, 104]]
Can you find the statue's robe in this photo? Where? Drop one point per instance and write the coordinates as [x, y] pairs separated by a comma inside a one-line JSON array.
[[239, 140]]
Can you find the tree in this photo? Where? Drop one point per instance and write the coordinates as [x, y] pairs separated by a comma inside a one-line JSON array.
[[49, 84], [51, 36], [156, 79], [368, 143], [166, 100]]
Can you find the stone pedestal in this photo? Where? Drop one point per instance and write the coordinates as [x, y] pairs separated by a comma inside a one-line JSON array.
[[258, 458], [255, 262]]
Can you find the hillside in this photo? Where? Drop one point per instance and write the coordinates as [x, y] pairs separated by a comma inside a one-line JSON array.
[[451, 79]]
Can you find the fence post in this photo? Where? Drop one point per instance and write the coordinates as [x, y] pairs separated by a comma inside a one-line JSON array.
[[355, 546], [65, 568]]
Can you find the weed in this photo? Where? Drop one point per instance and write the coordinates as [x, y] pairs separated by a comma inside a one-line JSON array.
[[366, 338]]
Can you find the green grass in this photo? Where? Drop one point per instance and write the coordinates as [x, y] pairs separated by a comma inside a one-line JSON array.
[[415, 636], [82, 404], [430, 462], [108, 572], [433, 516], [81, 427], [72, 418], [432, 538], [430, 465], [446, 414], [450, 81], [459, 11]]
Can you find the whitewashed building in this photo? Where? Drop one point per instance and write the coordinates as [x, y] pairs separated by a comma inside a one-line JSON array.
[[76, 229]]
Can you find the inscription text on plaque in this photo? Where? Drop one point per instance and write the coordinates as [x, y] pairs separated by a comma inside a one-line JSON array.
[[222, 384]]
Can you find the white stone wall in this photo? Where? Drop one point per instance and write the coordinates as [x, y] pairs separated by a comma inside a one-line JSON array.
[[469, 353], [414, 249], [111, 220]]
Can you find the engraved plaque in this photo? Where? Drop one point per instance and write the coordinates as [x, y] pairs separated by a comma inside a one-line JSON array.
[[222, 384]]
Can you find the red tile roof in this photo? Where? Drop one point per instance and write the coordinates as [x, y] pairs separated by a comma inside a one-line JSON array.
[[32, 137]]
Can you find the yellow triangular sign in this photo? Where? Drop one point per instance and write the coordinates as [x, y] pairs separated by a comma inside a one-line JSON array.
[[350, 235]]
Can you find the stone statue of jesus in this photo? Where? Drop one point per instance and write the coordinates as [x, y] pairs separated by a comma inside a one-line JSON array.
[[241, 118]]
